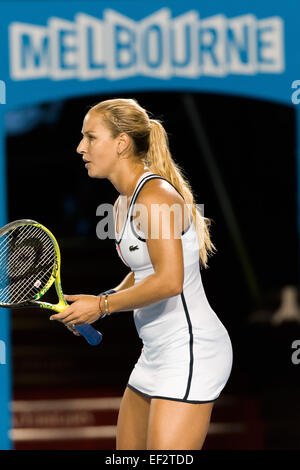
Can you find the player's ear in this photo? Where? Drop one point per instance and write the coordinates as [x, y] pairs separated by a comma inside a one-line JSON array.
[[123, 143]]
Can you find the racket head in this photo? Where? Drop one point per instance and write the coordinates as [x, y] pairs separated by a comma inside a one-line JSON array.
[[29, 262]]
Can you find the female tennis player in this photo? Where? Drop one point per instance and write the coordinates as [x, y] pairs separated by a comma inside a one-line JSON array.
[[186, 357]]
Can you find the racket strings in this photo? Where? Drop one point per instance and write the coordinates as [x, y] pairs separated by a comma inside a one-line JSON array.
[[12, 259], [25, 284], [15, 253], [21, 269], [25, 252], [27, 259], [25, 280], [15, 269], [22, 287]]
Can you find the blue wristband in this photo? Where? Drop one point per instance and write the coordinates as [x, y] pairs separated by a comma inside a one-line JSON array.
[[110, 291]]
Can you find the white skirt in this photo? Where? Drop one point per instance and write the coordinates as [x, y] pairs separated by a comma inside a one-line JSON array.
[[192, 368]]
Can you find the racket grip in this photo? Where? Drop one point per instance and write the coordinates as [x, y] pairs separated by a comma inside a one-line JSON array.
[[92, 336]]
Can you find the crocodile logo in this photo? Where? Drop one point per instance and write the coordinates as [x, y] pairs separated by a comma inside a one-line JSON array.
[[133, 248]]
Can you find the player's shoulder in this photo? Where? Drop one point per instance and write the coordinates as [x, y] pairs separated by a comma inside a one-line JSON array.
[[158, 191]]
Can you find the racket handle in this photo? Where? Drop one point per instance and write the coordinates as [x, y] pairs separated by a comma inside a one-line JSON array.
[[92, 336]]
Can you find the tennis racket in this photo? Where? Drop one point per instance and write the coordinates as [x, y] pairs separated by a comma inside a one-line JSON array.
[[29, 265]]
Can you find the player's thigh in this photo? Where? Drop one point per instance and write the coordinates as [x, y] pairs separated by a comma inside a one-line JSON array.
[[132, 421], [178, 425]]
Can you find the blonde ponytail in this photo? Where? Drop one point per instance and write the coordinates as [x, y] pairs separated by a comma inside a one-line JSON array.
[[151, 146], [160, 161]]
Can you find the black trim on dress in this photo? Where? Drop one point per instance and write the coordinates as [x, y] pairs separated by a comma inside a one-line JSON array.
[[170, 398], [191, 363], [191, 346], [149, 177], [131, 202]]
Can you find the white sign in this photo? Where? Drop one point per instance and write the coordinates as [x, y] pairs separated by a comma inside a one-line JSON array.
[[159, 46]]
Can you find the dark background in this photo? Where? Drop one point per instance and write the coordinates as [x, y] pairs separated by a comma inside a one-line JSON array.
[[253, 144]]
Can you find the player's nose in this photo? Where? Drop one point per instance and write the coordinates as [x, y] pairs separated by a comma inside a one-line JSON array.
[[81, 147]]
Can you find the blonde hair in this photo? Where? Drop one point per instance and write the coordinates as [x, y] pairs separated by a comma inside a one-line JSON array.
[[150, 144]]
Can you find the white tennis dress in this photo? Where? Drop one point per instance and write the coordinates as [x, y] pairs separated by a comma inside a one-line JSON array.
[[187, 352]]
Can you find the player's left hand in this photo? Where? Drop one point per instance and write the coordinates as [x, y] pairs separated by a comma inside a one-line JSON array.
[[84, 309]]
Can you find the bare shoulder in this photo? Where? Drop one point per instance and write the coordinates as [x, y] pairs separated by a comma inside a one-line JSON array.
[[159, 195], [158, 191]]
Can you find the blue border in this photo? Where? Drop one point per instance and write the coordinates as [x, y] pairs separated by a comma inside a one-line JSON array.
[[271, 87], [5, 369]]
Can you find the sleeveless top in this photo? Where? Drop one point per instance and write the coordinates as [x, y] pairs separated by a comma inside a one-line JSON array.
[[169, 315], [131, 244]]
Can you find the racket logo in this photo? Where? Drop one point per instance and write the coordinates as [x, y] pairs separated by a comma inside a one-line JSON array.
[[29, 254]]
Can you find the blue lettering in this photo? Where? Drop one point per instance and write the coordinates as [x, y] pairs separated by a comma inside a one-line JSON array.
[[208, 48], [91, 63], [187, 47], [159, 46], [261, 45], [64, 50], [121, 46], [241, 49], [30, 56]]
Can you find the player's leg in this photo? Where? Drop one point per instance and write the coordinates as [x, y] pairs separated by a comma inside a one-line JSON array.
[[133, 421], [178, 425]]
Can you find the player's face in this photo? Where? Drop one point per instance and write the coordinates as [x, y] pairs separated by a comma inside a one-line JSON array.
[[97, 146]]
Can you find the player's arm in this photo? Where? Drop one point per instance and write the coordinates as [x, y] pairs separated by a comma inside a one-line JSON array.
[[127, 282], [166, 257]]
